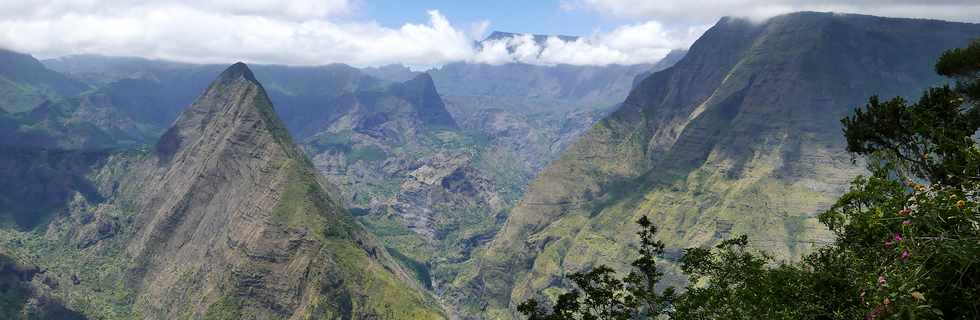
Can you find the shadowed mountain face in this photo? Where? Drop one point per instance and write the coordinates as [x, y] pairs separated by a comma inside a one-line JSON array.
[[20, 300], [741, 136], [668, 61]]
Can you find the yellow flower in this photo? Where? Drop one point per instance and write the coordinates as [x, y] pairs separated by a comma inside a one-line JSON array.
[[960, 204], [918, 296]]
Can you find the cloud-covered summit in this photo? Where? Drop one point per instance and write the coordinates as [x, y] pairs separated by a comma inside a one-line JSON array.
[[630, 44], [706, 11], [297, 32], [316, 32]]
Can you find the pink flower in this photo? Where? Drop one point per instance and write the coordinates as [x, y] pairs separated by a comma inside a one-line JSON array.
[[906, 254], [905, 212], [906, 222], [898, 237], [881, 280], [888, 244]]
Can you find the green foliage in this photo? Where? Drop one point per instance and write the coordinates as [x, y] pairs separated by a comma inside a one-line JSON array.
[[604, 296], [933, 138], [370, 153], [908, 241], [226, 308]]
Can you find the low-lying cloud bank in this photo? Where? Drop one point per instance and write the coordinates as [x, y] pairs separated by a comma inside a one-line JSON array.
[[300, 32], [631, 44], [315, 32], [704, 11]]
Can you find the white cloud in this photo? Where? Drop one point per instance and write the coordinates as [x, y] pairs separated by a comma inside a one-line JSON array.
[[297, 32], [709, 11], [631, 44], [205, 34], [292, 9]]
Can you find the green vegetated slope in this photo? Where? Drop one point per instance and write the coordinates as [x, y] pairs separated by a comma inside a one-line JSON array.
[[435, 192], [25, 83], [407, 170], [432, 185], [225, 218], [742, 136]]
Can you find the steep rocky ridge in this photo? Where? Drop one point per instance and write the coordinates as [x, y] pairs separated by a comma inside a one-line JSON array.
[[741, 136], [224, 219], [251, 219]]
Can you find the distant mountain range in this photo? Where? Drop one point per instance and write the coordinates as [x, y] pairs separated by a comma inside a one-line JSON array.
[[539, 38], [134, 188], [25, 82], [428, 177]]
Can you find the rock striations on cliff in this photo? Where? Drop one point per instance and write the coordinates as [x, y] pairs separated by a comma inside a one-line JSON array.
[[235, 220]]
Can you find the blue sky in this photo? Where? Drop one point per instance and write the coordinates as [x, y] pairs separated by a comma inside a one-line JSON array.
[[414, 33], [531, 16]]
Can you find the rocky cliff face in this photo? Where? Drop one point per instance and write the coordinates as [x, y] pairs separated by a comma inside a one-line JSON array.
[[252, 223], [739, 137], [224, 219]]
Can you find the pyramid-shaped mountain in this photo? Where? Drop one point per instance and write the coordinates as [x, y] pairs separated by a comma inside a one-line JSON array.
[[235, 222]]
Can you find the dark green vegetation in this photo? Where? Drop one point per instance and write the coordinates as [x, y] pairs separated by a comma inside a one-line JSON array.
[[906, 236], [604, 296], [20, 301], [741, 136]]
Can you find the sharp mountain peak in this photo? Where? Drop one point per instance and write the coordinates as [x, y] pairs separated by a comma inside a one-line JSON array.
[[234, 104], [238, 70]]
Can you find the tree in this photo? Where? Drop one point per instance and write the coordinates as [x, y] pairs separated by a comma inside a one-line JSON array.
[[931, 140], [908, 234], [912, 225], [605, 297]]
